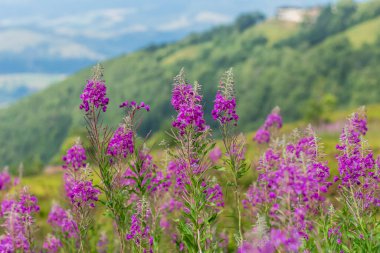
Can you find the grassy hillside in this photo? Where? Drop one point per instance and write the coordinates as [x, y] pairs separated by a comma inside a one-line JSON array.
[[268, 72]]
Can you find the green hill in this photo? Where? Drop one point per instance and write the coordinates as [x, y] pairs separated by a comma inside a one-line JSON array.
[[275, 63]]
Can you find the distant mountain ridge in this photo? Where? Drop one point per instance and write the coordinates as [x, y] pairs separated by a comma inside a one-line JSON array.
[[275, 63]]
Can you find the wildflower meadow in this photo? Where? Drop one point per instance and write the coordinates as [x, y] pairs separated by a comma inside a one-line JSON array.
[[191, 195]]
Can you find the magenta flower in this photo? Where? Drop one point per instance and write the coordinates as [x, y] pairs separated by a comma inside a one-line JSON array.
[[262, 136], [121, 144], [52, 244], [356, 165], [75, 157], [102, 245], [61, 219], [94, 96], [215, 195], [134, 105], [5, 180], [81, 192], [188, 105], [273, 121], [215, 155], [224, 109]]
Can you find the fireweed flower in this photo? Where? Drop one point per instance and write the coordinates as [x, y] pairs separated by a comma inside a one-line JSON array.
[[134, 105], [81, 192], [5, 180], [139, 230], [356, 165], [121, 144], [75, 157], [94, 95], [224, 109], [102, 245], [63, 221], [52, 244], [19, 222], [291, 184], [187, 102], [273, 121], [215, 155]]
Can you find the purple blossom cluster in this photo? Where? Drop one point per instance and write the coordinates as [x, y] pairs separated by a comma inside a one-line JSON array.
[[102, 245], [215, 155], [18, 222], [214, 195], [75, 157], [277, 240], [273, 121], [139, 231], [5, 180], [224, 109], [147, 175], [121, 143], [356, 165], [81, 192], [94, 96], [188, 105], [292, 183], [52, 244], [134, 105], [62, 221]]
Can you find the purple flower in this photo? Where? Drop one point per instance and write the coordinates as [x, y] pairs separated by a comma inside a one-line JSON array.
[[102, 245], [94, 96], [134, 105], [215, 195], [52, 244], [81, 192], [121, 144], [5, 180], [6, 244], [273, 120], [75, 157], [18, 221], [188, 105], [224, 109], [356, 164], [60, 219], [262, 136], [215, 154]]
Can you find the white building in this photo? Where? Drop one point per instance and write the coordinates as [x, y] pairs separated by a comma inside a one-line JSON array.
[[297, 14]]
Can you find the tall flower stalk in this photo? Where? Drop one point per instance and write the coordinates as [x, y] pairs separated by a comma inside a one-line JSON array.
[[80, 191], [200, 196], [95, 102], [225, 113]]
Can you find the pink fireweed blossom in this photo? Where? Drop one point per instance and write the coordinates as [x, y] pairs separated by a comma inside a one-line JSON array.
[[187, 102], [145, 176], [121, 144], [5, 180], [273, 121], [75, 157], [356, 165], [102, 245], [94, 96], [81, 192], [291, 184], [224, 109], [133, 105], [52, 244], [63, 221], [215, 155], [18, 222]]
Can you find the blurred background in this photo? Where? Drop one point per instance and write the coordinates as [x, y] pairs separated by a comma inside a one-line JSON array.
[[316, 59]]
